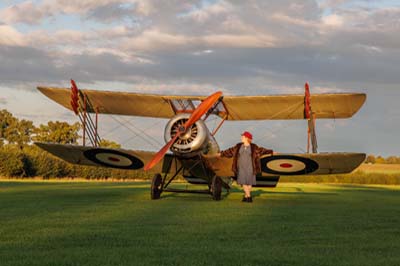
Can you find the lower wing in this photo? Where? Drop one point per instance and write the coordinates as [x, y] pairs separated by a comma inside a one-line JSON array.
[[297, 164], [271, 166], [115, 158]]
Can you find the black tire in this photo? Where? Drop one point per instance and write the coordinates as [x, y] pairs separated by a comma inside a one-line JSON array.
[[156, 188], [216, 188]]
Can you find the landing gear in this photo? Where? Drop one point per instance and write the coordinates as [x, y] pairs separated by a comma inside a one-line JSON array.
[[160, 184], [156, 186], [216, 188]]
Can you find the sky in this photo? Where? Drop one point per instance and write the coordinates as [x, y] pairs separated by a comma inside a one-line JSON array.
[[196, 47]]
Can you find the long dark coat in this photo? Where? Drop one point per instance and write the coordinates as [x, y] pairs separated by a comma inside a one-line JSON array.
[[256, 153]]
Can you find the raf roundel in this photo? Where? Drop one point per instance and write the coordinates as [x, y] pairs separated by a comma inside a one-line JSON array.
[[112, 158], [288, 165]]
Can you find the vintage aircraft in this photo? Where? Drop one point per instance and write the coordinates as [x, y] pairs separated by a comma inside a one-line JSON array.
[[191, 144]]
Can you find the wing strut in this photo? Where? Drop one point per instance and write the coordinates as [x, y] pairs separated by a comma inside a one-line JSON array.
[[82, 106], [310, 116]]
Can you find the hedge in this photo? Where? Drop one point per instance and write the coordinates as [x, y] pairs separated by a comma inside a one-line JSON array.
[[34, 162]]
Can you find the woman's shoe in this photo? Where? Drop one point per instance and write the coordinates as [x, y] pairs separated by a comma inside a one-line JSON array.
[[244, 199], [249, 199]]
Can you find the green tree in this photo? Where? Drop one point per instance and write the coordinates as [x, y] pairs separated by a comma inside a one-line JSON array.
[[20, 132], [109, 144], [380, 159], [370, 159], [15, 131], [58, 132], [392, 160], [6, 119]]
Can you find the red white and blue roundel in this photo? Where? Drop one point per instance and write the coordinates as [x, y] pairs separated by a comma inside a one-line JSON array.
[[113, 158], [288, 165]]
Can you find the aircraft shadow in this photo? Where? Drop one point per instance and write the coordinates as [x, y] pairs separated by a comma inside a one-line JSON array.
[[257, 192]]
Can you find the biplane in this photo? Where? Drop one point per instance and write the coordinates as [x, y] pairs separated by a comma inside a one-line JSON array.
[[191, 148]]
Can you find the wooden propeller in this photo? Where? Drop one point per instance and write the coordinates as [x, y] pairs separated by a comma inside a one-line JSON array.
[[196, 115]]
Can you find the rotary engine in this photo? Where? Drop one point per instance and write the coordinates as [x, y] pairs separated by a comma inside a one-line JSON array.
[[196, 139]]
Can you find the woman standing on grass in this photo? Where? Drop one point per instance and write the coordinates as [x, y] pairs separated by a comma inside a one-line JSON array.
[[246, 162]]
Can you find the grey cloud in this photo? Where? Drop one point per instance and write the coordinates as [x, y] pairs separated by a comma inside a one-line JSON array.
[[26, 12], [222, 66], [111, 12], [306, 62], [155, 12], [301, 9], [21, 64], [340, 57]]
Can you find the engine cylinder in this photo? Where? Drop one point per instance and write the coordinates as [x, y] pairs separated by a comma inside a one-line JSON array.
[[193, 140]]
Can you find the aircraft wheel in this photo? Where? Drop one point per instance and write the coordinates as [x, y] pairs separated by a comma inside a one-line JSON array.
[[216, 188], [156, 186]]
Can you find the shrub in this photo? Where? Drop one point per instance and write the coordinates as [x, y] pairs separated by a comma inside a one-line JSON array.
[[13, 163]]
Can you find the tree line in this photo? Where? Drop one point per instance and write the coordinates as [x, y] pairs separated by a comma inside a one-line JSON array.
[[18, 158], [21, 133], [372, 159]]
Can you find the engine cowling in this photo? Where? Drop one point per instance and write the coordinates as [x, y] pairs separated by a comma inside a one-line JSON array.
[[194, 140]]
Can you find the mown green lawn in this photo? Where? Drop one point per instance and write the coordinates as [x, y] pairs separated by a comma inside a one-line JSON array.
[[56, 223]]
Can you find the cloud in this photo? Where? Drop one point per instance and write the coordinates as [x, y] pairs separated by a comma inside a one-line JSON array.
[[230, 40], [333, 20], [284, 45], [154, 39], [60, 40], [30, 12], [110, 12], [26, 12], [10, 36], [77, 6], [117, 32], [331, 3], [105, 11], [24, 64], [204, 14]]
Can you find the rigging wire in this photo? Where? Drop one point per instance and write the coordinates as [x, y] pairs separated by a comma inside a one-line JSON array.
[[133, 137], [292, 109], [112, 130], [210, 120], [126, 122]]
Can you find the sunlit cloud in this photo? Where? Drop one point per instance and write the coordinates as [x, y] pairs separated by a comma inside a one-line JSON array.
[[202, 15], [11, 37], [333, 20], [26, 12]]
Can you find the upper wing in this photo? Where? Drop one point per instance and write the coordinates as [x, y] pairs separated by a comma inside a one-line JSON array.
[[119, 103], [237, 107], [297, 164], [115, 158], [292, 106]]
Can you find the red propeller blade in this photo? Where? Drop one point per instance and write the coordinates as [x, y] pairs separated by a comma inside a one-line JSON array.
[[202, 109], [160, 154], [196, 115]]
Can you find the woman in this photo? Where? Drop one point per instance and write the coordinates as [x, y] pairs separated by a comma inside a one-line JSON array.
[[246, 162]]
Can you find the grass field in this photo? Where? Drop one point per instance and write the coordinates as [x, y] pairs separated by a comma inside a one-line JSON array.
[[88, 223]]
